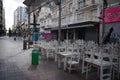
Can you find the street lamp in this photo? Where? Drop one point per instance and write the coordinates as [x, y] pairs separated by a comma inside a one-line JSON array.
[[58, 2], [104, 6]]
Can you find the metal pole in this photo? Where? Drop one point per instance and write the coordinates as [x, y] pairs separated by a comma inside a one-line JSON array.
[[29, 19], [67, 36], [34, 22], [103, 15], [59, 28]]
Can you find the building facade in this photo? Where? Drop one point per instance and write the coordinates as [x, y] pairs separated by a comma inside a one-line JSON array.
[[79, 19], [45, 18], [20, 19], [2, 19], [19, 16]]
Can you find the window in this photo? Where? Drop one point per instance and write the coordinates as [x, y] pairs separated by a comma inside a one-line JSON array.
[[94, 14], [63, 11], [81, 3], [71, 19], [63, 21], [44, 23], [63, 1], [94, 1], [70, 7], [80, 17]]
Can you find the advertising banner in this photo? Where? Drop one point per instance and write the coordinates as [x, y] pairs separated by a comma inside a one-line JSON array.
[[111, 15], [47, 34]]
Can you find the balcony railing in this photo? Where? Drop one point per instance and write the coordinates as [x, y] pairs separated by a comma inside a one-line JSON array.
[[86, 5], [91, 18]]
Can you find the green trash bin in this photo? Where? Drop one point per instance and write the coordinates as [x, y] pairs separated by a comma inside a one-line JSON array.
[[35, 57]]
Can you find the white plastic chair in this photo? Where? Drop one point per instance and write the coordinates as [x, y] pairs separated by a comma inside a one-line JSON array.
[[87, 57], [99, 60], [115, 62], [73, 62], [60, 50], [49, 52]]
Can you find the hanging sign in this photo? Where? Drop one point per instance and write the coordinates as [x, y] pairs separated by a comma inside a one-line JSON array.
[[111, 15]]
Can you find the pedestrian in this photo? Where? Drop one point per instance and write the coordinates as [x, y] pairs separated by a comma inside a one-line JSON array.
[[107, 38], [15, 38], [24, 37]]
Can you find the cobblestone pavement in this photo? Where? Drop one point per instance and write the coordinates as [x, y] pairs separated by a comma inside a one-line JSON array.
[[15, 64]]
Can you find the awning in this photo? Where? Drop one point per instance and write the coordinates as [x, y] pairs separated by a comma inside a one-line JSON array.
[[77, 25], [35, 4], [28, 2]]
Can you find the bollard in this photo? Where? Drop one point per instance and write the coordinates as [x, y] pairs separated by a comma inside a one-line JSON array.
[[35, 36], [35, 57], [24, 44]]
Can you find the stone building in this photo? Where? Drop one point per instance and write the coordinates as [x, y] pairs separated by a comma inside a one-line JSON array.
[[80, 19], [2, 19]]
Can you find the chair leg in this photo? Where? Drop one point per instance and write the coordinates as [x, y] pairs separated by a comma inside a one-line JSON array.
[[69, 68], [118, 75], [83, 67], [59, 64], [55, 57], [113, 74], [87, 72], [98, 71], [101, 73]]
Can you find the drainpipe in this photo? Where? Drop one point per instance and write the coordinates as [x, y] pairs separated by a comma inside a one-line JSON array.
[[29, 19], [59, 29]]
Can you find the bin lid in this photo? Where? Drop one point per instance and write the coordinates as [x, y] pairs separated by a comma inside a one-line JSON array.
[[35, 51]]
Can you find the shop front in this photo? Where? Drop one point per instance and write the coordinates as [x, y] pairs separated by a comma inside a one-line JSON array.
[[85, 30]]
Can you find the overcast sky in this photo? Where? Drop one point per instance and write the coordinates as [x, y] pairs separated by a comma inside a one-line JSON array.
[[10, 6]]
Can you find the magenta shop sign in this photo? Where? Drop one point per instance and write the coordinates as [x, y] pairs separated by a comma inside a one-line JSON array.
[[47, 35], [112, 14]]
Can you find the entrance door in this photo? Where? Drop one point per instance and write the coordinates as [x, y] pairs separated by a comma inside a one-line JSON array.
[[80, 33]]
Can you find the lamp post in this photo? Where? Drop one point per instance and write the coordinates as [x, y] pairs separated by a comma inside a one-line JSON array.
[[58, 2], [28, 10], [103, 15], [34, 22], [104, 6]]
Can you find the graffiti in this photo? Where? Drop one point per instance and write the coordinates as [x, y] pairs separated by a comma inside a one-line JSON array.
[[115, 37]]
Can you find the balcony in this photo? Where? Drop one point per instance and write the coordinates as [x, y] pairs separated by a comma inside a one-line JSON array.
[[48, 26], [87, 5], [86, 19]]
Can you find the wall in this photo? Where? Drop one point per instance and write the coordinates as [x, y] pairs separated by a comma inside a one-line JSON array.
[[91, 33], [115, 36]]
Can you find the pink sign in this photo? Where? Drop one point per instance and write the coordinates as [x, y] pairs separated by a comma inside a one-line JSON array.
[[112, 14], [47, 31], [47, 35]]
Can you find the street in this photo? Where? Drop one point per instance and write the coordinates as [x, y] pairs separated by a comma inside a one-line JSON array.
[[10, 51]]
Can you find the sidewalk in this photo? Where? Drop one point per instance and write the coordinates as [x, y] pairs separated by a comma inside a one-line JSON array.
[[19, 67]]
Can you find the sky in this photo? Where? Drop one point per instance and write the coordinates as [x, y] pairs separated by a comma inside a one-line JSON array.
[[10, 6]]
